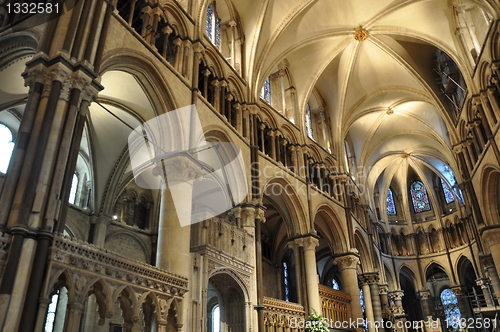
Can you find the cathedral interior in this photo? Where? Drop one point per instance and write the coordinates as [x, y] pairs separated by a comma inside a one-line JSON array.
[[351, 165]]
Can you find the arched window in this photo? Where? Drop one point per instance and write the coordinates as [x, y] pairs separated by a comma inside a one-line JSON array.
[[448, 174], [216, 318], [6, 147], [286, 281], [309, 125], [265, 93], [391, 206], [213, 25], [335, 284], [451, 311], [448, 195], [419, 197], [73, 190]]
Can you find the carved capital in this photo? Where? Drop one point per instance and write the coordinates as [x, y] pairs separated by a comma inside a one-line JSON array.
[[488, 261], [308, 242], [424, 294], [349, 261], [383, 289], [369, 278], [396, 295], [180, 168], [483, 282]]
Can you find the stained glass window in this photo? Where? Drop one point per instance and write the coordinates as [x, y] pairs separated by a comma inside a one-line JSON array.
[[309, 128], [265, 93], [210, 18], [448, 174], [51, 313], [451, 311], [362, 300], [391, 206], [286, 281], [448, 195], [6, 147], [213, 25], [335, 284], [217, 31], [419, 197], [74, 188]]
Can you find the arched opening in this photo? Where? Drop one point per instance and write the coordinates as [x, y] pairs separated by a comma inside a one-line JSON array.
[[225, 305], [411, 304]]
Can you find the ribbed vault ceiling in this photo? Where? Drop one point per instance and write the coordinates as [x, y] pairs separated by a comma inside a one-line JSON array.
[[360, 81]]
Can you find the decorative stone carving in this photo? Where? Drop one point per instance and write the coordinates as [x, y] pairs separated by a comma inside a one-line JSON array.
[[424, 294], [361, 34], [369, 278], [349, 261]]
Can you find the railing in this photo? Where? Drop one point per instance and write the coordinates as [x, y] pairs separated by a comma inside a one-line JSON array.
[[85, 270], [79, 254], [334, 304], [224, 236], [282, 316]]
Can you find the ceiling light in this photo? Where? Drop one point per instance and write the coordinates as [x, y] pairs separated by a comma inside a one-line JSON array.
[[115, 217]]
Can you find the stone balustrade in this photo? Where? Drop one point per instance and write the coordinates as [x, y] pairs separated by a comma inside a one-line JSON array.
[[334, 304], [282, 315]]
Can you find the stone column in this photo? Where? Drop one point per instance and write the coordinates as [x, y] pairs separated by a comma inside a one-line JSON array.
[[397, 310], [397, 298], [423, 295], [491, 271], [301, 296], [373, 280], [309, 244], [173, 251], [347, 265], [491, 241], [368, 302], [175, 213], [73, 317], [484, 283], [383, 289]]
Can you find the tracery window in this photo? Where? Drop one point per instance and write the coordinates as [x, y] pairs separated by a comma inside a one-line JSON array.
[[335, 284], [309, 125], [451, 311], [6, 147], [74, 189], [265, 93], [391, 206], [213, 25], [419, 197], [286, 281]]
